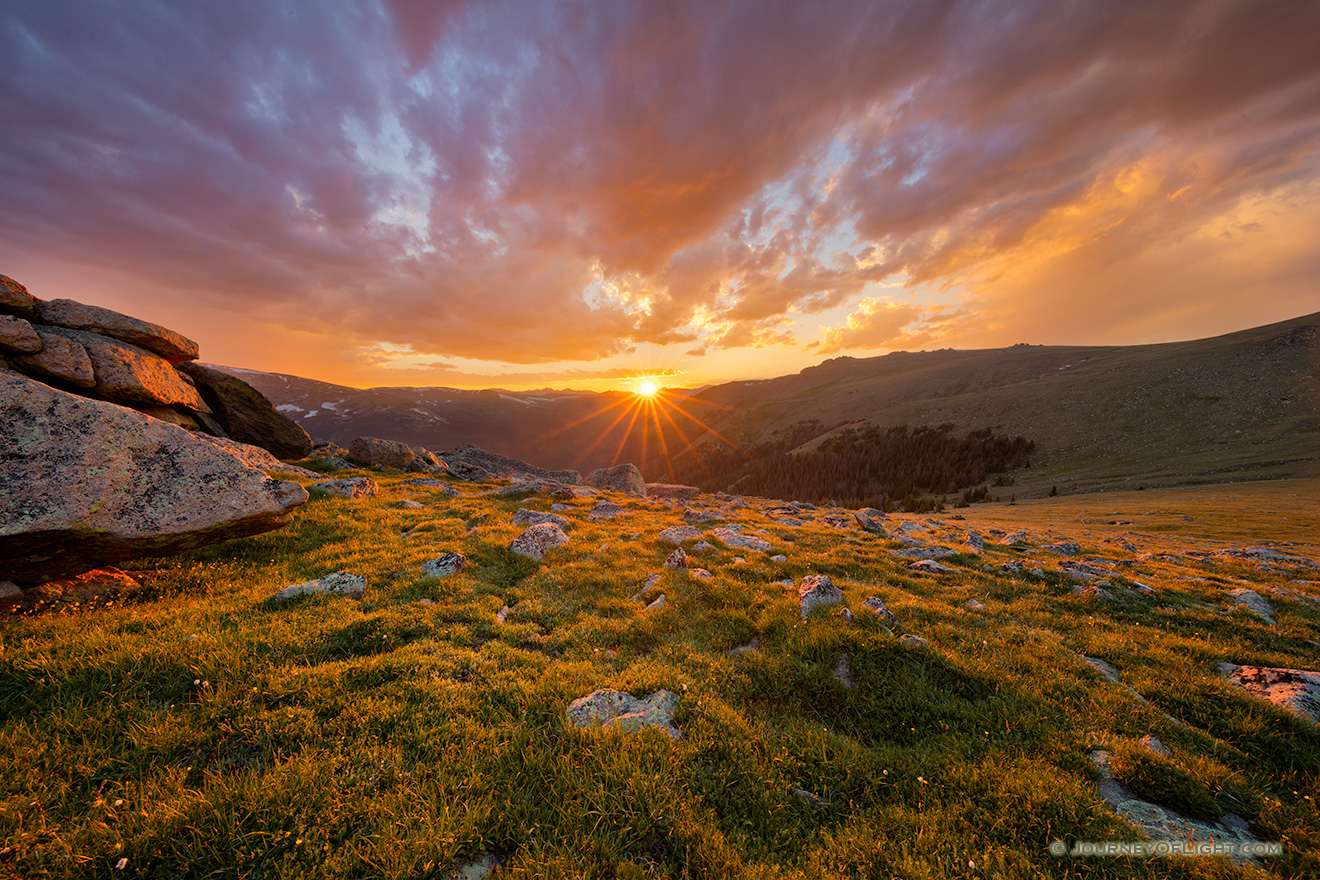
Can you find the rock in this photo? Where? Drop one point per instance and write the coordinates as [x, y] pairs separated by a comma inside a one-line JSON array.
[[108, 581], [247, 415], [10, 593], [973, 605], [425, 462], [1100, 666], [59, 358], [975, 543], [877, 607], [424, 483], [525, 517], [502, 615], [154, 338], [409, 504], [15, 298], [871, 520], [256, 457], [1013, 567], [128, 374], [1093, 591], [470, 462], [677, 559], [779, 557], [553, 488], [925, 552], [625, 478], [913, 641], [373, 451], [817, 590], [700, 574], [846, 615], [807, 797], [356, 487], [1018, 537], [1155, 747], [678, 534], [657, 603], [930, 566], [731, 538], [698, 515], [605, 510], [1296, 690], [671, 491], [18, 335], [341, 583], [90, 484], [843, 671], [445, 565], [538, 540], [606, 708], [702, 547], [1064, 548], [1253, 602]]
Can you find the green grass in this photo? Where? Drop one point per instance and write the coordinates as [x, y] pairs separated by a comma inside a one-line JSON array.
[[198, 729]]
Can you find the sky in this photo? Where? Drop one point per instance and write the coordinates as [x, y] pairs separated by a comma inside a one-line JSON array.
[[572, 194]]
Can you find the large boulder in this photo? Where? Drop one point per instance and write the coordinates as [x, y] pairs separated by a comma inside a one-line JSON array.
[[126, 373], [381, 453], [61, 359], [625, 478], [15, 299], [172, 346], [18, 335], [247, 415], [90, 483]]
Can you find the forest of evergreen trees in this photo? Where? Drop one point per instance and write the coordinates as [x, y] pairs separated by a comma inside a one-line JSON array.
[[888, 468]]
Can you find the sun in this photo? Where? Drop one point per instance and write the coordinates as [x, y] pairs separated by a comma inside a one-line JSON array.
[[647, 389]]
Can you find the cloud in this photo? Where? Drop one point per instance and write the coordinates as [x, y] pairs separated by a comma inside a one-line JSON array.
[[534, 183], [875, 324]]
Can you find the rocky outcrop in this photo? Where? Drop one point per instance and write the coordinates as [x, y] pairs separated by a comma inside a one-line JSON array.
[[609, 708], [153, 337], [469, 462], [375, 452], [623, 478], [246, 414], [15, 299], [91, 483]]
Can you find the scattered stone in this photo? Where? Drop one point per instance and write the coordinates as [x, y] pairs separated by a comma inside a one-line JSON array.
[[606, 708], [913, 641], [1018, 537], [502, 615], [1295, 690], [1155, 747], [409, 504], [731, 538], [624, 478], [605, 510], [1143, 589], [738, 560], [89, 484], [1253, 602], [1093, 591], [171, 346], [779, 557], [10, 594], [671, 491], [444, 565], [354, 487], [375, 452], [678, 534], [553, 488], [702, 547], [525, 517], [1064, 548], [341, 583], [1104, 669], [701, 515], [925, 552], [871, 520], [677, 559], [657, 603], [877, 607], [700, 574], [975, 542], [479, 868], [930, 566], [246, 414], [59, 358], [973, 605], [817, 590], [538, 540], [425, 462], [1013, 567], [845, 615]]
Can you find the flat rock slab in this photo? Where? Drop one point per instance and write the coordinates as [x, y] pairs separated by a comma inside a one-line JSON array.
[[153, 337], [732, 538], [538, 540], [608, 708], [59, 358], [525, 517], [817, 590], [930, 566], [341, 583], [1296, 690], [356, 487], [130, 374], [671, 491], [92, 484], [678, 534], [18, 335], [445, 565], [1253, 602]]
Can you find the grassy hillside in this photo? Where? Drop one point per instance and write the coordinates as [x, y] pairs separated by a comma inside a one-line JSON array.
[[1241, 406], [195, 728]]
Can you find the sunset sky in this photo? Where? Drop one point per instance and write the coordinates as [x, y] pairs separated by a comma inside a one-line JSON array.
[[532, 194]]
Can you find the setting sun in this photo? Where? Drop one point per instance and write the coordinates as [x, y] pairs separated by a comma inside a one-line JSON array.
[[647, 389]]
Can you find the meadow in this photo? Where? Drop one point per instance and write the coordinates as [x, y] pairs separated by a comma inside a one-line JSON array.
[[194, 727]]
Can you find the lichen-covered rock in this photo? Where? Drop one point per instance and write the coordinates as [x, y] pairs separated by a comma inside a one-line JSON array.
[[154, 338], [425, 462], [877, 607], [625, 478], [445, 565], [817, 590], [90, 483], [355, 487], [341, 583], [1253, 602], [732, 538], [381, 453], [15, 298], [538, 540], [678, 534], [930, 566], [246, 414], [677, 559], [59, 358], [126, 373], [256, 457], [18, 335], [607, 708], [525, 517], [871, 520], [605, 510], [1296, 690]]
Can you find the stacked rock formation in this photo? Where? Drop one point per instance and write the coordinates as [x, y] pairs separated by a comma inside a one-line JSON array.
[[117, 446]]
